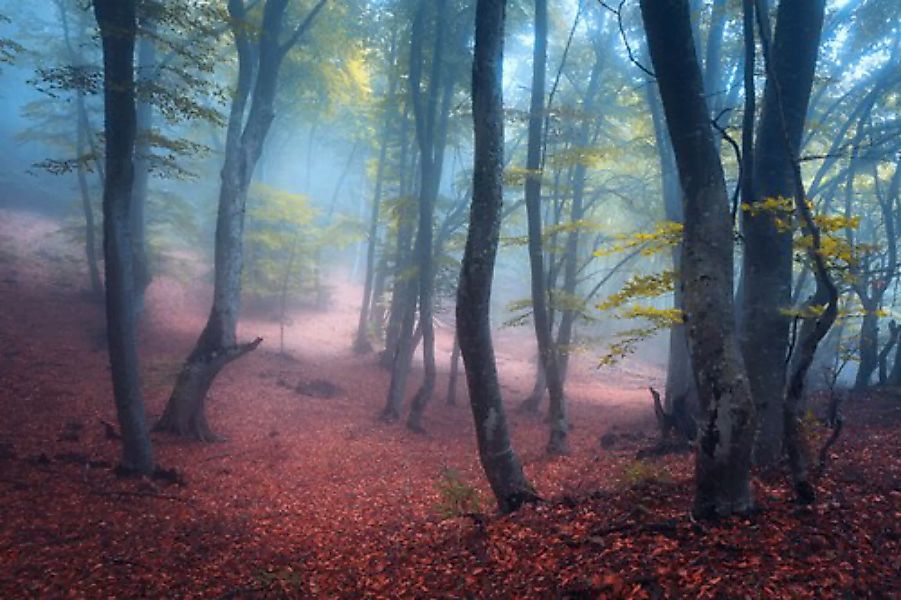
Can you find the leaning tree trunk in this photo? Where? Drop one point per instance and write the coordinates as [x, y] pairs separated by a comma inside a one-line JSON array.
[[723, 460], [116, 19], [501, 464], [217, 346]]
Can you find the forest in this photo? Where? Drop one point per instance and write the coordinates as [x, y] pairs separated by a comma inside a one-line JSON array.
[[571, 299]]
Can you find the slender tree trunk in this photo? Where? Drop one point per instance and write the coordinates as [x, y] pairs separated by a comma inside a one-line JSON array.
[[81, 144], [559, 430], [146, 75], [499, 459], [454, 373], [90, 239], [869, 349], [723, 460], [117, 21], [362, 343]]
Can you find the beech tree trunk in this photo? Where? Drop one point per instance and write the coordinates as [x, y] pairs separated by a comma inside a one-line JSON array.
[[559, 430], [723, 460], [117, 21], [767, 258], [258, 67], [498, 458], [146, 75]]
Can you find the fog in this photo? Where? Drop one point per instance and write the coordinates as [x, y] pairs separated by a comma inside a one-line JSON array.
[[646, 243]]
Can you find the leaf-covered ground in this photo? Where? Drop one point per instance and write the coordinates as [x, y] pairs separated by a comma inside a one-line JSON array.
[[312, 497]]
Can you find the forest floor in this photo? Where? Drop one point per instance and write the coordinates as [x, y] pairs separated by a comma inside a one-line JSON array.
[[311, 496]]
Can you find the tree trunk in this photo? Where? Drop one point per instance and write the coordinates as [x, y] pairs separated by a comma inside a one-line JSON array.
[[767, 258], [559, 430], [362, 343], [499, 459], [454, 373], [723, 460], [679, 376], [869, 347], [217, 345], [90, 241], [146, 75], [81, 144], [116, 19]]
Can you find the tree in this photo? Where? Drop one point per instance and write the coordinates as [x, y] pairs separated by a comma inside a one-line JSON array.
[[723, 460], [259, 60], [549, 364], [499, 459], [767, 259], [117, 21]]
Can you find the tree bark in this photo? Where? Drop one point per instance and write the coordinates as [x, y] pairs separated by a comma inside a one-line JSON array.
[[767, 258], [117, 21], [559, 429], [723, 459], [498, 458], [258, 67]]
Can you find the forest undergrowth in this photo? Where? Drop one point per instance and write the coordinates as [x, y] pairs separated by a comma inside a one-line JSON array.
[[311, 496]]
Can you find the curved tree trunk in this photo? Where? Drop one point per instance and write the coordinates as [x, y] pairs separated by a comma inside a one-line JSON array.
[[498, 458], [217, 345]]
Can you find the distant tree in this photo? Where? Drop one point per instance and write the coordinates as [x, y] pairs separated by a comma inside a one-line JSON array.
[[499, 459], [723, 460], [548, 357], [117, 21], [252, 111]]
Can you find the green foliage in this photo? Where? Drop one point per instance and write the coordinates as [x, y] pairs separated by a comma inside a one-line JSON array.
[[639, 472], [456, 497], [281, 242]]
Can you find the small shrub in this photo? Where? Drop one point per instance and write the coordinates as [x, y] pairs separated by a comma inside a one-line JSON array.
[[456, 497], [640, 472]]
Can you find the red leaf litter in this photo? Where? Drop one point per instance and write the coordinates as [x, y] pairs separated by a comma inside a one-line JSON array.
[[310, 496]]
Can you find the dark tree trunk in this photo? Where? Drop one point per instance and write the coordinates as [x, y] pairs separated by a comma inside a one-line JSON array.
[[868, 347], [146, 75], [400, 293], [454, 373], [767, 258], [431, 148], [559, 430], [117, 21], [723, 460], [217, 345], [499, 459]]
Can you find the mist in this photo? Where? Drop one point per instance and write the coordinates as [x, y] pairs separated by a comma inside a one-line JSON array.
[[458, 298]]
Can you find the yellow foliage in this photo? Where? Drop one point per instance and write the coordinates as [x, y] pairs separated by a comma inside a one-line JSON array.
[[641, 286], [665, 236]]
